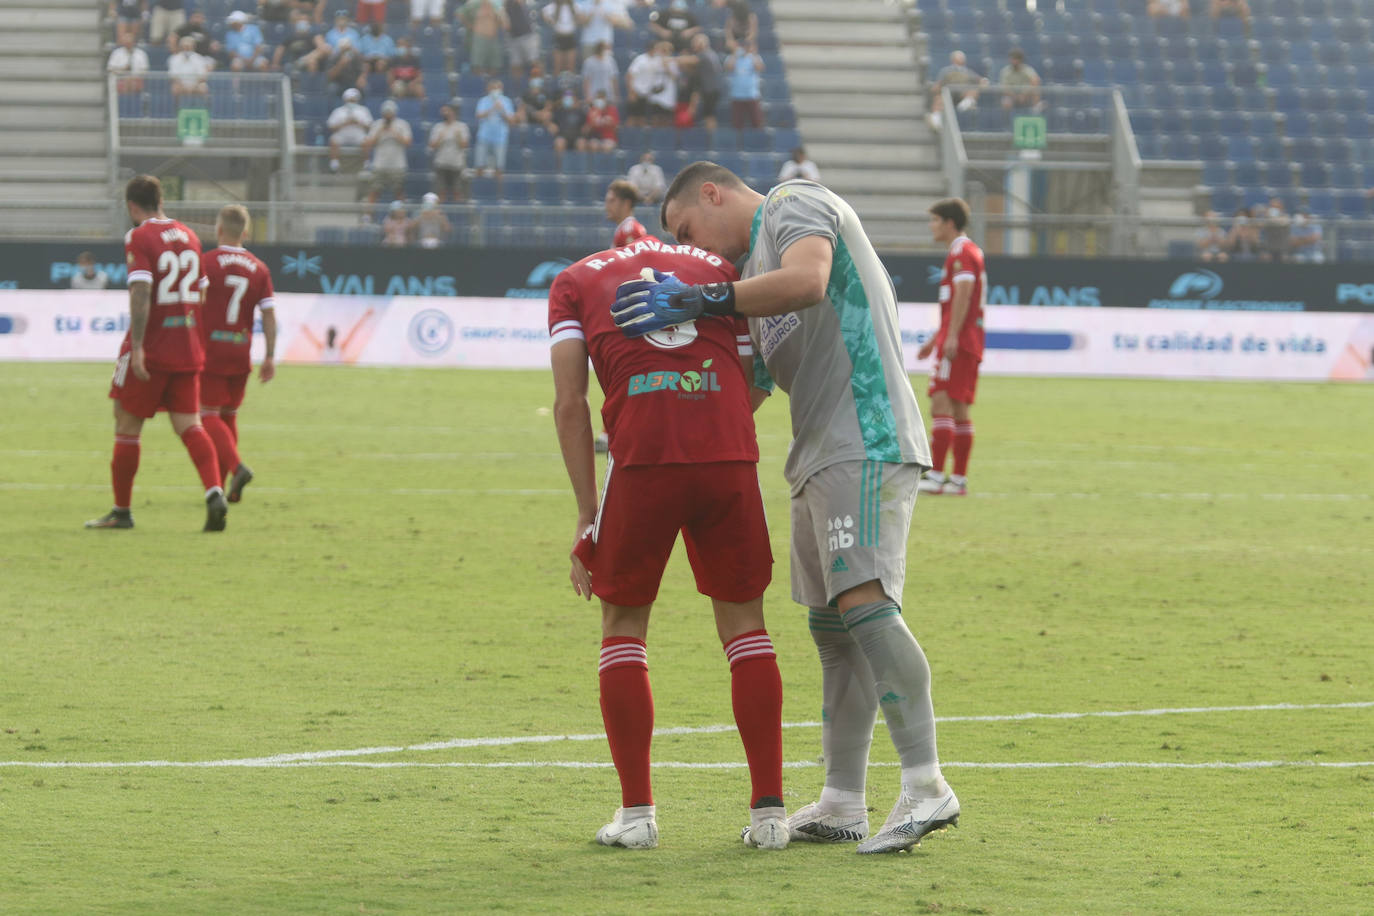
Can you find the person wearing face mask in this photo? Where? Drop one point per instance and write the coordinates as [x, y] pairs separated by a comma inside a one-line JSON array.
[[568, 120], [495, 115], [603, 125], [448, 142], [387, 140], [675, 24], [298, 51], [536, 105], [404, 74], [601, 74]]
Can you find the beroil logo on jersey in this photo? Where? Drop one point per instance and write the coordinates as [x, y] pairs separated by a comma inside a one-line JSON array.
[[690, 385]]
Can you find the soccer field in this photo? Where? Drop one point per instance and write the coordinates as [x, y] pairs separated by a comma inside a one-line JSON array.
[[1149, 627]]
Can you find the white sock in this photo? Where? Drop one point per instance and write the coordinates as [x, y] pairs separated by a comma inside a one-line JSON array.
[[960, 479], [842, 801], [637, 813], [924, 781]]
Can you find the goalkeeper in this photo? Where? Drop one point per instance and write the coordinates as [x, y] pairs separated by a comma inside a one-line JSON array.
[[823, 317]]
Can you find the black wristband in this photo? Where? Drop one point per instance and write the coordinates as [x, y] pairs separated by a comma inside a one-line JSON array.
[[717, 298]]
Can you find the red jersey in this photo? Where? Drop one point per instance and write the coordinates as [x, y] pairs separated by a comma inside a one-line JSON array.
[[676, 396], [963, 263], [166, 254], [628, 232], [238, 283]]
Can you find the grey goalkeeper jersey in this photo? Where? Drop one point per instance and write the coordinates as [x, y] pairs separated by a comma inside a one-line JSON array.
[[839, 361]]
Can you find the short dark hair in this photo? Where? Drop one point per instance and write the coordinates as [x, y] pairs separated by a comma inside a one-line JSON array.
[[690, 180], [144, 192], [624, 190], [952, 209]]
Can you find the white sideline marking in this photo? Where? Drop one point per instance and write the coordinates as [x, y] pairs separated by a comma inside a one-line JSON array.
[[265, 763], [322, 758], [468, 491]]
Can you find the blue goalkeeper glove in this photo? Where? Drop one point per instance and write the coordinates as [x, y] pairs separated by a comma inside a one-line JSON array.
[[644, 306]]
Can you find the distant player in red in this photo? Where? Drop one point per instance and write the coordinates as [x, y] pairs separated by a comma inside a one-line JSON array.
[[621, 198], [162, 355], [959, 343], [238, 284], [683, 457]]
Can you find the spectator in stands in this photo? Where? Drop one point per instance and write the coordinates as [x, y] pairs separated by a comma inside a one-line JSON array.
[[346, 69], [188, 70], [562, 15], [1211, 242], [343, 28], [128, 62], [404, 75], [599, 20], [1020, 83], [706, 81], [129, 16], [536, 105], [495, 115], [600, 74], [799, 167], [1305, 239], [448, 143], [675, 24], [348, 125], [420, 10], [648, 178], [377, 48], [387, 141], [485, 22], [963, 84], [569, 117], [89, 276], [297, 51], [602, 128], [742, 27], [244, 42], [522, 40], [275, 10], [396, 226], [371, 12], [651, 86], [1163, 9], [1239, 9], [167, 15], [206, 45], [1243, 241], [1274, 233], [432, 228], [744, 69]]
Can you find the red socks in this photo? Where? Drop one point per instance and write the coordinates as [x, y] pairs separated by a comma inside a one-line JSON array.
[[123, 467], [627, 709], [941, 434], [756, 693], [963, 444], [202, 452], [225, 446], [231, 420]]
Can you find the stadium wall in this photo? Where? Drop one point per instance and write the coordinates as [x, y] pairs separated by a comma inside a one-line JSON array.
[[527, 273], [512, 333]]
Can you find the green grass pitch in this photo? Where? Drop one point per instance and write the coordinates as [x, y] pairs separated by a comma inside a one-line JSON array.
[[396, 577]]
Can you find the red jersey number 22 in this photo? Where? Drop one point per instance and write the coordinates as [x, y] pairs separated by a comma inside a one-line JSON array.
[[174, 267]]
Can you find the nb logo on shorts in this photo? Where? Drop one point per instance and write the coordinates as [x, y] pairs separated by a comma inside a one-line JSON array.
[[839, 535]]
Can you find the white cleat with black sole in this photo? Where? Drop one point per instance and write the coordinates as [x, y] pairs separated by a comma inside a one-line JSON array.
[[911, 819], [637, 831], [813, 825]]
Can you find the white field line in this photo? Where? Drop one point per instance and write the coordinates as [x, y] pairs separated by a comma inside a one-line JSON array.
[[468, 491], [320, 757], [712, 765]]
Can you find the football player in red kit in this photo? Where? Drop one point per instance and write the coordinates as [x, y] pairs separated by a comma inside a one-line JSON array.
[[683, 457], [238, 284], [162, 354], [621, 198]]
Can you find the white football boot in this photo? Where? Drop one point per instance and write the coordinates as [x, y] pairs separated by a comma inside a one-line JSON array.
[[911, 819], [639, 831], [813, 825], [933, 482]]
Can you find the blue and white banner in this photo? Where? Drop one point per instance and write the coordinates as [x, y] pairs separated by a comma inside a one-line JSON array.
[[503, 333]]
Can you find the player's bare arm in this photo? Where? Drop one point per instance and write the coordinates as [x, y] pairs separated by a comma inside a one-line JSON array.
[[139, 307], [572, 416], [958, 310], [268, 369]]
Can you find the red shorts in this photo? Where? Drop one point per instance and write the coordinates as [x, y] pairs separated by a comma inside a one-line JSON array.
[[222, 390], [371, 12], [175, 392], [718, 509], [958, 379]]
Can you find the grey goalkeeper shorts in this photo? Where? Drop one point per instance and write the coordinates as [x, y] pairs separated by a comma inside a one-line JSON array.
[[849, 526]]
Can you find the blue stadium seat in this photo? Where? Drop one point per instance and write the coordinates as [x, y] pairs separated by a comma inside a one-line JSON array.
[[1215, 173], [1314, 174], [1240, 149], [1212, 146], [517, 188], [1247, 173], [1353, 204], [543, 160], [1277, 174], [1297, 124], [548, 189], [1346, 175]]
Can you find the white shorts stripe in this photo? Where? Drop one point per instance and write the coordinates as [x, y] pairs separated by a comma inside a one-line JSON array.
[[601, 503]]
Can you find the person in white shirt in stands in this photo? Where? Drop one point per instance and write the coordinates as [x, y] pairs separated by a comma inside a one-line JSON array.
[[129, 62], [648, 179], [89, 276], [348, 125], [799, 167], [188, 70]]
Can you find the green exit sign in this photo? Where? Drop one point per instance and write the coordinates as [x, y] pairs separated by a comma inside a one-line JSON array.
[[193, 126], [1028, 132]]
